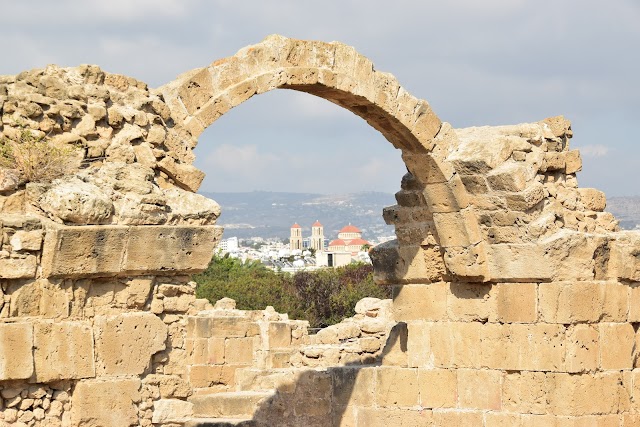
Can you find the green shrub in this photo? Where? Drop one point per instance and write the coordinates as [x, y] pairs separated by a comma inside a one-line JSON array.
[[323, 297]]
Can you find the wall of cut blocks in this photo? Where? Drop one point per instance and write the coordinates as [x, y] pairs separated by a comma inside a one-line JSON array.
[[515, 294]]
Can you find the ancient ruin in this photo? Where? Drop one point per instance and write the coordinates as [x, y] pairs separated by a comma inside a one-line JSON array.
[[513, 290]]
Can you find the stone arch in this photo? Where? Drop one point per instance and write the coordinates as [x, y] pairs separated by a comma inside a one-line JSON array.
[[339, 74]]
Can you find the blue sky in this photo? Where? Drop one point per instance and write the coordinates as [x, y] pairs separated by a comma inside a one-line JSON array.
[[477, 63]]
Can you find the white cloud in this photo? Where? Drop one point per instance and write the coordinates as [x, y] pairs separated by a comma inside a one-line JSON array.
[[594, 150]]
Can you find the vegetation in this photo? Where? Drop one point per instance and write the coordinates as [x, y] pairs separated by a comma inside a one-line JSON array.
[[37, 159], [323, 297]]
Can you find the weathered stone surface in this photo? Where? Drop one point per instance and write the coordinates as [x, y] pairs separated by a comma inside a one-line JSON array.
[[106, 403], [171, 410], [175, 248], [18, 268], [77, 202], [82, 251], [63, 351], [114, 334], [16, 356]]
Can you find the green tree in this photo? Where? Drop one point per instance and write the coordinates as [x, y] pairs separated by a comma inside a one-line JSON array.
[[323, 297]]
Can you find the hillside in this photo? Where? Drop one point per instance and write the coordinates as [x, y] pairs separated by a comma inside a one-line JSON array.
[[271, 214]]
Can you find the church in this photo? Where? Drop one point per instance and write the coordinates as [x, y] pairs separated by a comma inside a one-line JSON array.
[[347, 246]]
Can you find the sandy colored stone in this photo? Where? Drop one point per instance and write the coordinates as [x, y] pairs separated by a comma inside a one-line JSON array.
[[616, 346], [178, 248], [18, 268], [399, 387], [26, 240], [16, 357], [63, 350], [83, 251], [171, 410], [438, 388], [516, 302], [114, 335], [106, 403], [420, 302]]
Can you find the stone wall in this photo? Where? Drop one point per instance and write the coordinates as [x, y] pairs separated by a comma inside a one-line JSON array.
[[515, 294]]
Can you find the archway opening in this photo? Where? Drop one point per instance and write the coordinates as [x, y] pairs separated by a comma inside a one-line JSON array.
[[288, 156]]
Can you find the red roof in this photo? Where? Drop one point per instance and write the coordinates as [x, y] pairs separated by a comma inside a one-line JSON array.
[[358, 242], [350, 229], [337, 242], [317, 224], [295, 225]]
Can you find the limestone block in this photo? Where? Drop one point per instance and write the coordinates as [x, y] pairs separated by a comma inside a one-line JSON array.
[[457, 228], [516, 303], [567, 302], [438, 388], [509, 176], [481, 149], [526, 392], [517, 262], [450, 196], [573, 162], [279, 334], [587, 394], [527, 198], [427, 169], [400, 264], [239, 351], [458, 418], [206, 350], [106, 403], [583, 348], [186, 207], [511, 346], [83, 251], [16, 357], [572, 255], [18, 268], [211, 375], [479, 389], [426, 302], [175, 248], [382, 417], [469, 302], [78, 202], [136, 292], [558, 126], [410, 198], [353, 385], [617, 343], [114, 334], [63, 350], [184, 174], [171, 410], [26, 298], [624, 262], [399, 387], [592, 199], [468, 262], [195, 92], [144, 155], [554, 161], [26, 240], [475, 184]]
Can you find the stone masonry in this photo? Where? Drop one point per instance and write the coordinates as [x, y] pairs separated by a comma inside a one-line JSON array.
[[516, 297]]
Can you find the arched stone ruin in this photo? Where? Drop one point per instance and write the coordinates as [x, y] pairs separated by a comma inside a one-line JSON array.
[[513, 290]]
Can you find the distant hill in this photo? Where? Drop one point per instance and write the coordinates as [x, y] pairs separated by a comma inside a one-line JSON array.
[[626, 210], [270, 214]]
